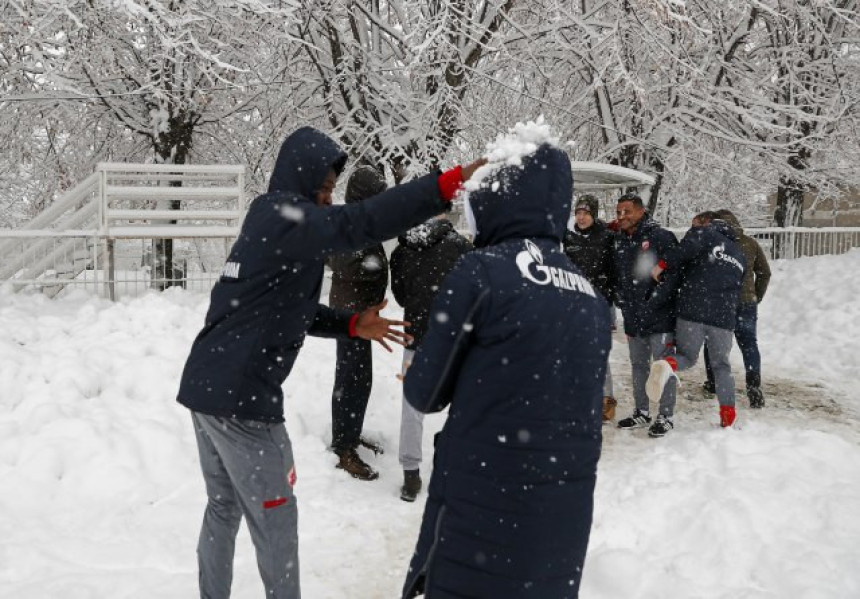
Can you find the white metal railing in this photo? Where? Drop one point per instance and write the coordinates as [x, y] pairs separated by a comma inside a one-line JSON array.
[[797, 242], [116, 227]]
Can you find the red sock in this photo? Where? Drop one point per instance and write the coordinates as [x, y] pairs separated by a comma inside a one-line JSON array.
[[727, 415]]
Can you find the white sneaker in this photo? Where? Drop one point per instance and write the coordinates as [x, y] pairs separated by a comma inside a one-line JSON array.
[[661, 372]]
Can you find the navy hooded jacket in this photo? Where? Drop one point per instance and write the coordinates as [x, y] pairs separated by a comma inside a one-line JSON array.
[[267, 298], [712, 270], [648, 308], [517, 347]]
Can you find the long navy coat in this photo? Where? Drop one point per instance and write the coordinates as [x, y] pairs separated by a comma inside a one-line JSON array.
[[267, 298], [517, 347]]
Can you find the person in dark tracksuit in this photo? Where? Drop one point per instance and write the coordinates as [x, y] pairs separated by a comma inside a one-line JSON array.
[[711, 268], [516, 348], [419, 263], [756, 279], [358, 281], [589, 247], [648, 307], [261, 309]]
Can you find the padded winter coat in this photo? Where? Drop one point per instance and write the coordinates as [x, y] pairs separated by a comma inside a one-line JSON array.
[[267, 298], [517, 349], [757, 275], [648, 308], [424, 255], [591, 250], [712, 269]]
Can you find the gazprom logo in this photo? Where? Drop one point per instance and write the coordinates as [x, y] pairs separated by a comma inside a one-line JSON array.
[[530, 263], [719, 252]]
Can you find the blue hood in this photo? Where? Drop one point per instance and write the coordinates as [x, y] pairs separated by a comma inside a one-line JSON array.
[[532, 200], [725, 228], [304, 161]]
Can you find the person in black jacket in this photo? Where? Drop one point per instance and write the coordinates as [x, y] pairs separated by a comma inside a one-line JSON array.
[[261, 309], [711, 267], [589, 247], [424, 255], [648, 307], [359, 280], [517, 348]]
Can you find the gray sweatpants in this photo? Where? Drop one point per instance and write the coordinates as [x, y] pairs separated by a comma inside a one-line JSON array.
[[642, 351], [248, 470], [411, 427], [689, 338]]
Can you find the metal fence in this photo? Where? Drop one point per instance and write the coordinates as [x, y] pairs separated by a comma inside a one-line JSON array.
[[797, 242], [128, 228]]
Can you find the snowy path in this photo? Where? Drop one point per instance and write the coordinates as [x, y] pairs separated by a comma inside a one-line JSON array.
[[102, 495]]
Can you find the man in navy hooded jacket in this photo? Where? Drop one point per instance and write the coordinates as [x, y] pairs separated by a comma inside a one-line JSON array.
[[648, 307], [264, 304], [711, 267], [517, 346]]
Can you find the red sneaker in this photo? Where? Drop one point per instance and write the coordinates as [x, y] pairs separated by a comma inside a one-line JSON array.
[[727, 415]]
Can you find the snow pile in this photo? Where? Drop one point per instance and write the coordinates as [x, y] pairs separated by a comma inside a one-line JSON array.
[[810, 317], [510, 148], [102, 493]]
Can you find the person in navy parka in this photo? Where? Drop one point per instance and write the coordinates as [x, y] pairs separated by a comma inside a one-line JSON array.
[[648, 307], [517, 346], [264, 304], [711, 268]]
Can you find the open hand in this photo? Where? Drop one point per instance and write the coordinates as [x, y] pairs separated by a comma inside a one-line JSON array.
[[371, 326]]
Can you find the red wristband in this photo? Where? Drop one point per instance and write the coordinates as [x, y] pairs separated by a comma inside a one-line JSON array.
[[662, 264], [450, 182], [352, 321]]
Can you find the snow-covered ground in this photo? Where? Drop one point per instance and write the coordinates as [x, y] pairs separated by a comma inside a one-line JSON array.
[[101, 494]]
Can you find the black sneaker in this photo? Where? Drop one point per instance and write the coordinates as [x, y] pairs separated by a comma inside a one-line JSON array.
[[756, 397], [352, 463], [411, 485], [636, 420], [660, 427], [708, 388]]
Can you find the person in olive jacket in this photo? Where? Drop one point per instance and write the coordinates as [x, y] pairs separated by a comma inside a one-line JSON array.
[[756, 279], [424, 255], [358, 281], [261, 309], [589, 247]]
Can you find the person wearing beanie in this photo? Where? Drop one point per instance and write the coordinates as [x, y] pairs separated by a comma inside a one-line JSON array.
[[359, 280], [589, 247], [261, 309]]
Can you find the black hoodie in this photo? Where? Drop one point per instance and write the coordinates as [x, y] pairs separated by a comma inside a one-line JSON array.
[[419, 263], [267, 298]]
